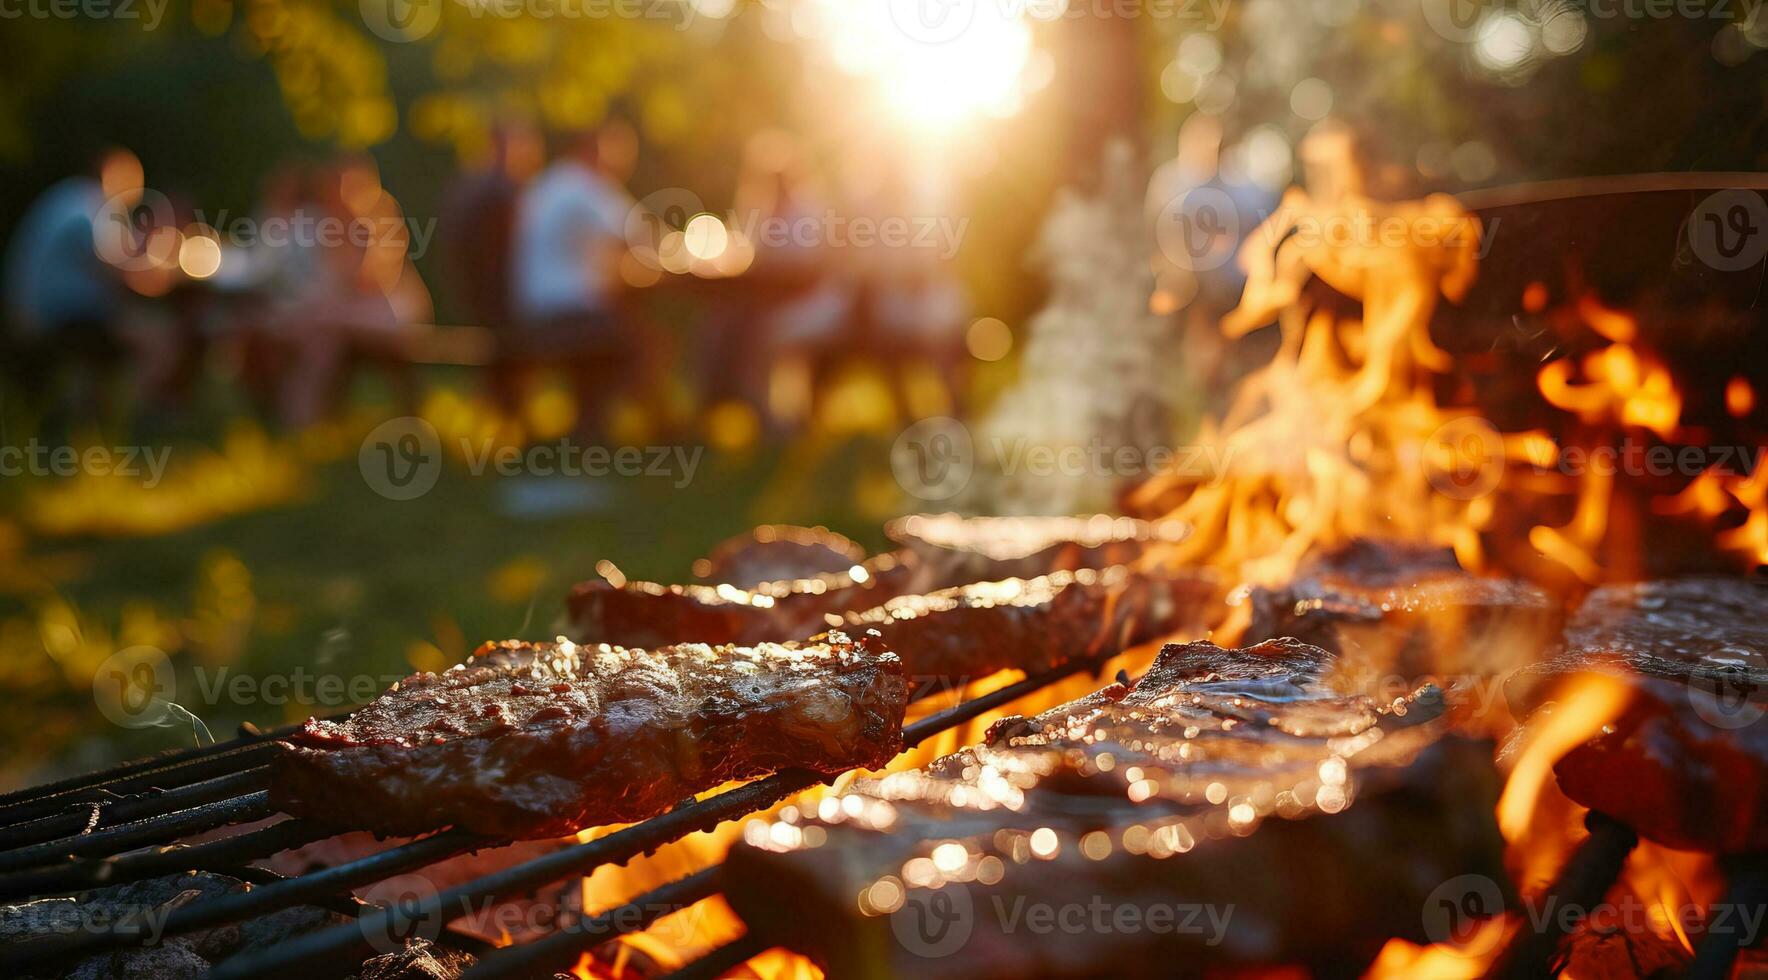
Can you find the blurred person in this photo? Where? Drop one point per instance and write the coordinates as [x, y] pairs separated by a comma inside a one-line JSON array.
[[570, 236], [351, 295], [800, 331], [63, 298], [271, 276], [479, 225]]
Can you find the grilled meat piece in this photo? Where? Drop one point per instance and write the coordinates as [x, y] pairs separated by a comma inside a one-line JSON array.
[[963, 632], [944, 552], [539, 740], [647, 615], [1686, 762], [974, 549], [776, 553], [1395, 610], [1233, 806], [1038, 624]]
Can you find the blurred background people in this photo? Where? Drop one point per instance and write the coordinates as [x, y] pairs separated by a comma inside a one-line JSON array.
[[348, 295], [63, 299], [478, 231], [802, 326], [570, 236], [916, 307]]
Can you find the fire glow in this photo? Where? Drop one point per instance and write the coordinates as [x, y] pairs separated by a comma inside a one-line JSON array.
[[1343, 436]]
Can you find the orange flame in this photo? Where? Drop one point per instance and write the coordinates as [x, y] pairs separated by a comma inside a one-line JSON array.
[[1341, 436], [1326, 443], [1575, 716]]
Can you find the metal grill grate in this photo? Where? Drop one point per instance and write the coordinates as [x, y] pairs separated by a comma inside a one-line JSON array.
[[119, 826]]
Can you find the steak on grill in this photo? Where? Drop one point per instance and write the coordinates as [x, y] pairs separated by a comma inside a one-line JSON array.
[[539, 740], [1037, 624], [778, 552], [1266, 817], [1396, 610], [944, 552], [964, 632], [1686, 762], [974, 549], [647, 615]]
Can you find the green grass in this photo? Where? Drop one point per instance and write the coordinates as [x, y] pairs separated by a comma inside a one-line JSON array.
[[344, 583]]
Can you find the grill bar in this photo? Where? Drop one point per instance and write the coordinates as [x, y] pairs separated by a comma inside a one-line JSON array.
[[164, 760], [560, 950], [335, 949], [338, 948], [232, 758], [141, 833], [251, 747], [1586, 877], [289, 892], [913, 734], [97, 872], [88, 816], [721, 960], [1745, 894]]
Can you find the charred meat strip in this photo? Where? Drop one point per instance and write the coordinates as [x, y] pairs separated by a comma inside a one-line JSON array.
[[539, 740], [645, 614], [778, 552], [972, 549], [1267, 818], [944, 552], [1686, 761], [963, 632], [1390, 609], [1037, 624]]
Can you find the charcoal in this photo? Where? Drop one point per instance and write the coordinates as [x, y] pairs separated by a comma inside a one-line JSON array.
[[144, 905], [419, 960]]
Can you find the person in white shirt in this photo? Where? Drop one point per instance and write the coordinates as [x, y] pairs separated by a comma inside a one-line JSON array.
[[570, 234]]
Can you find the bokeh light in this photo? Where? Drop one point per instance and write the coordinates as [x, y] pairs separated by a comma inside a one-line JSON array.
[[199, 256], [988, 339]]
